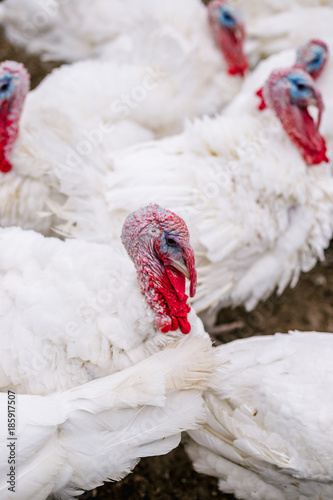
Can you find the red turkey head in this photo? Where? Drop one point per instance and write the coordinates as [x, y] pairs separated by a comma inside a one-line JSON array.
[[289, 92], [311, 57], [158, 243], [14, 86], [229, 34]]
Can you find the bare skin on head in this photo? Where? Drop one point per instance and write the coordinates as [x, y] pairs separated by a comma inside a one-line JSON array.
[[229, 34], [158, 242], [311, 57], [14, 86]]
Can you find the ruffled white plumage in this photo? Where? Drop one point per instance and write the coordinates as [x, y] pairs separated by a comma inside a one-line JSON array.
[[256, 218], [268, 432], [76, 439], [64, 30]]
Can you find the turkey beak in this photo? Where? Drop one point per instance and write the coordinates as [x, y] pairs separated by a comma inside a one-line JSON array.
[[181, 266], [239, 33], [316, 100], [187, 268]]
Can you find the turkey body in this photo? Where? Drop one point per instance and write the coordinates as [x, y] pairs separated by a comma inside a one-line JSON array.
[[69, 31], [173, 41], [84, 362]]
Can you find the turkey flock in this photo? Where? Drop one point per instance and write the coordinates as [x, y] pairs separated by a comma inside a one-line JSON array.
[[177, 163]]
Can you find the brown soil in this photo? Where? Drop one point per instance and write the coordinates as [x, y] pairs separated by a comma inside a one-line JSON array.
[[307, 307]]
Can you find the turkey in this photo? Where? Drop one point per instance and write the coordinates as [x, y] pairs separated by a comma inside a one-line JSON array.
[[313, 57], [177, 39], [80, 29], [74, 118], [221, 33], [257, 217], [156, 83], [93, 357], [153, 69], [37, 145], [77, 304], [268, 432]]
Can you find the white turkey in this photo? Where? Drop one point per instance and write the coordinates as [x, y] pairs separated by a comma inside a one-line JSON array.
[[152, 84], [313, 57], [269, 426], [152, 70], [80, 29], [73, 323], [77, 304], [80, 112], [257, 196], [178, 38], [156, 82]]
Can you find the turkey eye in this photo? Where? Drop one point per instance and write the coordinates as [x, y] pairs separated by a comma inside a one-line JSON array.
[[4, 87], [301, 86], [228, 16], [316, 60], [171, 242]]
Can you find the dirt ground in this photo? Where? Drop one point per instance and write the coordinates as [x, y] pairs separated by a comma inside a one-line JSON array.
[[306, 307]]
